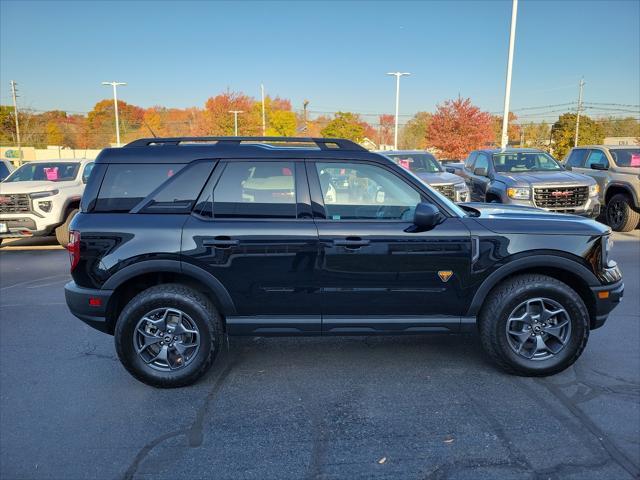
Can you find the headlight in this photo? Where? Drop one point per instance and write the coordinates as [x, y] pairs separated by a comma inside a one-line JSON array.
[[47, 193], [462, 192], [519, 193], [594, 190], [45, 206], [607, 244]]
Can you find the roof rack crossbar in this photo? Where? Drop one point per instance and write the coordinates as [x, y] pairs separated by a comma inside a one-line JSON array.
[[322, 143]]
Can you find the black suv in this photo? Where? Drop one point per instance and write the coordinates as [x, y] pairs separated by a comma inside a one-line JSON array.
[[182, 241]]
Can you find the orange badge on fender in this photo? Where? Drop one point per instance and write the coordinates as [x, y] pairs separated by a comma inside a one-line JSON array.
[[445, 275]]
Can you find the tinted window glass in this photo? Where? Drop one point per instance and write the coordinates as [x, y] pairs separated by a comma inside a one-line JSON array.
[[626, 157], [482, 162], [597, 157], [576, 158], [360, 191], [417, 162], [4, 171], [87, 172], [256, 190], [51, 171], [524, 162], [468, 164], [180, 192], [126, 185]]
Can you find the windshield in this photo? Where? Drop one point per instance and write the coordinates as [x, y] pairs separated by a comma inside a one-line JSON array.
[[43, 171], [626, 157], [4, 171], [525, 162], [417, 162]]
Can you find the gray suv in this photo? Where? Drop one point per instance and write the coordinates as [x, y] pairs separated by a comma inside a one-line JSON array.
[[617, 171], [528, 177], [425, 166]]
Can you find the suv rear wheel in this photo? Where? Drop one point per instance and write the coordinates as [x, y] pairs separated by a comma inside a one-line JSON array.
[[168, 335], [621, 216], [534, 325]]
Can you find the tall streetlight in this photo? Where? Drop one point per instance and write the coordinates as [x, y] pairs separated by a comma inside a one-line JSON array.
[[397, 75], [235, 120], [115, 86], [507, 91]]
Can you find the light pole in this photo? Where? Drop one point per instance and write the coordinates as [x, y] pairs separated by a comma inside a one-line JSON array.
[[115, 86], [575, 138], [507, 91], [235, 120], [397, 75]]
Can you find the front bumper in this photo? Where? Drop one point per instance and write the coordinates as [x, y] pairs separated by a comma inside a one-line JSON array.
[[26, 225], [606, 299], [89, 305]]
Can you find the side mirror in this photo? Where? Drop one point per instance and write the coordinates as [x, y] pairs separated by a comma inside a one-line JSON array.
[[599, 166], [480, 172], [450, 169], [426, 216]]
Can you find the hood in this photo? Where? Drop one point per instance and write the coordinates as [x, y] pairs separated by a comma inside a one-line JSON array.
[[530, 220], [562, 177], [439, 178], [7, 188]]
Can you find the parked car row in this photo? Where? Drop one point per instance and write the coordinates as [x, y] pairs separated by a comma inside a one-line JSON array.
[[593, 181], [41, 198]]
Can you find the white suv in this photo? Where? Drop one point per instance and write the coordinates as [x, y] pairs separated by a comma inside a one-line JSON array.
[[41, 197]]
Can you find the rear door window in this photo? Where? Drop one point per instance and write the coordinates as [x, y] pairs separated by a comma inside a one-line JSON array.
[[126, 185]]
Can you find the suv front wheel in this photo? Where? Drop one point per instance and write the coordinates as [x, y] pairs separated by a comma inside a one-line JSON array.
[[168, 335], [534, 325]]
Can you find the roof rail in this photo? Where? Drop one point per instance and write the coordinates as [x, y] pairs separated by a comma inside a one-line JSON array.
[[322, 143]]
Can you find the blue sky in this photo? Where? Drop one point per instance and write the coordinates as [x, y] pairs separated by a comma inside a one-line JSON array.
[[335, 54]]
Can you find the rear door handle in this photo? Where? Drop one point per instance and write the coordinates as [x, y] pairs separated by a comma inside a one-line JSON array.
[[351, 242], [220, 242]]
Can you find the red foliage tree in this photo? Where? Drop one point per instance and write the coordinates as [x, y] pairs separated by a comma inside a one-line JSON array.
[[387, 125], [458, 127]]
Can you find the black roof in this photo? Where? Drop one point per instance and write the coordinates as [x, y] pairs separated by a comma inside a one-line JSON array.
[[188, 149]]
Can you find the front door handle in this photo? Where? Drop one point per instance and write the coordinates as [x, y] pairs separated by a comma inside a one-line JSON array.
[[220, 242], [351, 242]]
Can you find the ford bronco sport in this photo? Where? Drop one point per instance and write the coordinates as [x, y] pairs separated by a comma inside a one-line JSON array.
[[183, 241]]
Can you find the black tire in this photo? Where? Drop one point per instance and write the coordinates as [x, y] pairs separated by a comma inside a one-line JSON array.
[[620, 214], [62, 232], [506, 297], [200, 310]]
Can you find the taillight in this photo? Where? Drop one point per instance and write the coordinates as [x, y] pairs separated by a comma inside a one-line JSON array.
[[74, 248]]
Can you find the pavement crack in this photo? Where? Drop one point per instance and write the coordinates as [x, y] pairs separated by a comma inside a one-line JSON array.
[[144, 451]]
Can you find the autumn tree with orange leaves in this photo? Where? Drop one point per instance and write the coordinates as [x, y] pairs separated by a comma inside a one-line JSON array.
[[459, 127]]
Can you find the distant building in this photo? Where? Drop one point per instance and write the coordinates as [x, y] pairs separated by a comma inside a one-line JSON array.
[[621, 141]]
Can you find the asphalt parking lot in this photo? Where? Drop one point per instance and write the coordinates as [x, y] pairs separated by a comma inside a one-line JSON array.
[[424, 407]]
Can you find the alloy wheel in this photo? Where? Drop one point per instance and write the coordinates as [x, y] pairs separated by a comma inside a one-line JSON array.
[[538, 329]]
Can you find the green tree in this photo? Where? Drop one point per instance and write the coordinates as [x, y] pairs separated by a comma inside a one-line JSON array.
[[345, 125], [621, 127], [414, 135], [564, 130], [536, 135], [7, 125], [282, 123], [55, 135]]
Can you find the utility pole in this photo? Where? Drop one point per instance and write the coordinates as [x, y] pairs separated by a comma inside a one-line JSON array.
[[264, 117], [575, 140], [115, 86], [14, 94], [397, 75], [507, 90], [235, 120]]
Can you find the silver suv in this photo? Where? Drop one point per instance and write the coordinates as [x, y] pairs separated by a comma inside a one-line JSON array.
[[617, 171], [42, 197]]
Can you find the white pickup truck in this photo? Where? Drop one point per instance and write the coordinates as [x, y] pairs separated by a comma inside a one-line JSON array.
[[41, 197]]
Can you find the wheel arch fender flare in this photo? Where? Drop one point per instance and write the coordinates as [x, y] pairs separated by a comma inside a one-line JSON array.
[[628, 188], [175, 266], [521, 265]]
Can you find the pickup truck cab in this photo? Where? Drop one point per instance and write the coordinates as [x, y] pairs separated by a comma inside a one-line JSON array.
[[529, 178]]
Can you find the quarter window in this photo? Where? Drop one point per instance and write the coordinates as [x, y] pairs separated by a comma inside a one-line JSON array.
[[365, 192], [255, 189]]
